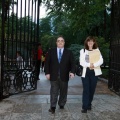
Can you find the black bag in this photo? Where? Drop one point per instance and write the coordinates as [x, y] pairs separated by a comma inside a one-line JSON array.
[[79, 70]]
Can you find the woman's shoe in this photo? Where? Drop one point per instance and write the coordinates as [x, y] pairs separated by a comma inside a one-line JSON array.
[[84, 111], [61, 107]]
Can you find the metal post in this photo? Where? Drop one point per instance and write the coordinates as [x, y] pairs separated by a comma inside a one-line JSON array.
[[38, 14], [2, 49]]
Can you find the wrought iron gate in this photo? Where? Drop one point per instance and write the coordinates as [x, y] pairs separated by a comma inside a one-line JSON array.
[[114, 74], [20, 34]]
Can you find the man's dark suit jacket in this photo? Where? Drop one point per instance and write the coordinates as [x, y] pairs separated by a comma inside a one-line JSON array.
[[52, 65]]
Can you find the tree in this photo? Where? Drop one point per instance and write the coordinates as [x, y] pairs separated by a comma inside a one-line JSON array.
[[45, 26], [88, 17], [75, 48], [47, 42]]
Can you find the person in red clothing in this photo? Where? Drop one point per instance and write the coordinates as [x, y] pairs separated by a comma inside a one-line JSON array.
[[39, 54]]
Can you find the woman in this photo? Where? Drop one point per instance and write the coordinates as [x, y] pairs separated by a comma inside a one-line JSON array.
[[19, 60], [91, 71]]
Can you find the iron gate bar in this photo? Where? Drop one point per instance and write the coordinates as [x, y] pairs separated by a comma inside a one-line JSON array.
[[2, 50], [38, 9], [7, 38], [17, 25], [24, 26], [35, 21]]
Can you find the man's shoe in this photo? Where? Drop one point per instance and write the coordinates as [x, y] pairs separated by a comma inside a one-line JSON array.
[[61, 107], [89, 108], [52, 110], [84, 111]]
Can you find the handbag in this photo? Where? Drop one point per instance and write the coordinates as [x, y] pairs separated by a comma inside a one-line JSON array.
[[79, 70]]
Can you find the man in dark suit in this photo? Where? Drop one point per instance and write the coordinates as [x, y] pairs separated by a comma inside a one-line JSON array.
[[59, 66]]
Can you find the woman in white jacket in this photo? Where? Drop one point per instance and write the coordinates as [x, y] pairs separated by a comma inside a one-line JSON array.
[[91, 71]]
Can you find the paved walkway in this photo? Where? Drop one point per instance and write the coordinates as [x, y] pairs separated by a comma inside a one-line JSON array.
[[75, 87], [34, 105]]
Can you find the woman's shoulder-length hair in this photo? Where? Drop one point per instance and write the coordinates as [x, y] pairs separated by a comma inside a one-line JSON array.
[[95, 46]]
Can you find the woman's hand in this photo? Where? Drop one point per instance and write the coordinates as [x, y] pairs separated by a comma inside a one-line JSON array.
[[91, 66]]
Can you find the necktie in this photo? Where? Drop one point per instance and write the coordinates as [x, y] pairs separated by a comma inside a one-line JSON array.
[[60, 55]]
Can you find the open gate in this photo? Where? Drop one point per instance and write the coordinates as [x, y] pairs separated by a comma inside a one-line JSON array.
[[19, 39], [114, 74]]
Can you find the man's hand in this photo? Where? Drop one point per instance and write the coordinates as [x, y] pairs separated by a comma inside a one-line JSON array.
[[71, 75], [48, 76]]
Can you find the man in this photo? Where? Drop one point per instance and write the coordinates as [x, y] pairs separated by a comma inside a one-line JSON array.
[[59, 66], [39, 54]]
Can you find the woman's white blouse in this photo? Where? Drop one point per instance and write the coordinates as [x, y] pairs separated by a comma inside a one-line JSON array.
[[85, 64]]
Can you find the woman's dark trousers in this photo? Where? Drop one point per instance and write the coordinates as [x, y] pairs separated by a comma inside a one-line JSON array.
[[89, 86]]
